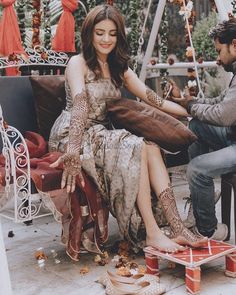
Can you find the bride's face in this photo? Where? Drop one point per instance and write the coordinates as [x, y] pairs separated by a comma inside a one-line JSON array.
[[104, 37]]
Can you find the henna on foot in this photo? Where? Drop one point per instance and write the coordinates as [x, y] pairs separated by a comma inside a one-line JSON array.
[[181, 234], [163, 243], [186, 237]]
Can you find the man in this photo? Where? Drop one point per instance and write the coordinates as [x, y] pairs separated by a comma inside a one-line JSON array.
[[214, 122]]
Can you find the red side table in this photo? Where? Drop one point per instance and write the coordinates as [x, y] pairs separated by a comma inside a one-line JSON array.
[[192, 259]]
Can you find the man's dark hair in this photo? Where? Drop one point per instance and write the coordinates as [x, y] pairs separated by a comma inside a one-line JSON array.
[[225, 32]]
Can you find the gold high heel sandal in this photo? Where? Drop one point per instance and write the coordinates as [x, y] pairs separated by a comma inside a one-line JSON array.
[[117, 288], [127, 280], [120, 279], [134, 279], [142, 288]]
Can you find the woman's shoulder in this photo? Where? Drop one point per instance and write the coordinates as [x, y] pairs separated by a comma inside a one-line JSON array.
[[78, 62]]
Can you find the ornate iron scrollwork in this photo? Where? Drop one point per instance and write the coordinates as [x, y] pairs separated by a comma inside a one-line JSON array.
[[35, 56]]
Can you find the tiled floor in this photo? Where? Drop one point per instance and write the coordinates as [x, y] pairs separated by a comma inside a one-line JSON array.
[[65, 278]]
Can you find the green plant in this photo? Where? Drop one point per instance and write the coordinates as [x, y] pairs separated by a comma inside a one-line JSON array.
[[203, 44], [211, 85]]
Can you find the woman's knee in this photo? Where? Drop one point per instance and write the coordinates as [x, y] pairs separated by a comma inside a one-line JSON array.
[[149, 151], [152, 149], [144, 152]]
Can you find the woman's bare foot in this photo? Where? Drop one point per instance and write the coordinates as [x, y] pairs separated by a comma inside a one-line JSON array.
[[163, 243], [186, 237]]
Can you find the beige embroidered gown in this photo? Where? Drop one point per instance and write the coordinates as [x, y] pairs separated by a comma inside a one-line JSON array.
[[111, 157]]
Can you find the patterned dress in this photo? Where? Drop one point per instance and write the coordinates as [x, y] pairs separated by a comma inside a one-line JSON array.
[[111, 157]]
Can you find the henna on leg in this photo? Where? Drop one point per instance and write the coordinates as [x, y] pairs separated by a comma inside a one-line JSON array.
[[155, 237], [182, 235], [160, 183]]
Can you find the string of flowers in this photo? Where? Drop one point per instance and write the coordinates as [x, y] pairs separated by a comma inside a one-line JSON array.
[[186, 10], [21, 17], [36, 22], [164, 49], [190, 14], [79, 16], [134, 13], [47, 24], [91, 4], [28, 5], [213, 5], [233, 3]]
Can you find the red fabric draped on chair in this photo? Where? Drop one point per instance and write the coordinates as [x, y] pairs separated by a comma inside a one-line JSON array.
[[64, 39], [10, 39], [84, 215]]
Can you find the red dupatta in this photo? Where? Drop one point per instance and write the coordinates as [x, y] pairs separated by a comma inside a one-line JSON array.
[[64, 39], [10, 38]]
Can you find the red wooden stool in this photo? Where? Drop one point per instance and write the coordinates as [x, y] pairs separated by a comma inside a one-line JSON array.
[[228, 182], [192, 259]]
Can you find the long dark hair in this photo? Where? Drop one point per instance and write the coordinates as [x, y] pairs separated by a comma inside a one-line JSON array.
[[119, 57]]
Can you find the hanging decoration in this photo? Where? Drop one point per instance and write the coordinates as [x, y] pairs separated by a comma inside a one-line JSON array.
[[110, 2], [187, 12], [20, 9], [91, 4], [233, 3], [10, 39], [36, 23], [142, 23], [164, 51], [47, 24], [135, 15], [64, 39], [213, 5], [79, 16]]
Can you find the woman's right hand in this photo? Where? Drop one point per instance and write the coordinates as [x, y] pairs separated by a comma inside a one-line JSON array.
[[72, 170]]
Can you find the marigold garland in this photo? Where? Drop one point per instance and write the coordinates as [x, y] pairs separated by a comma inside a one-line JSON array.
[[233, 3], [36, 22], [91, 4], [110, 2], [20, 8], [164, 50], [186, 10], [47, 24], [134, 12]]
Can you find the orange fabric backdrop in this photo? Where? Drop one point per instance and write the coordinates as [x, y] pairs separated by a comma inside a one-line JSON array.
[[64, 39], [10, 39]]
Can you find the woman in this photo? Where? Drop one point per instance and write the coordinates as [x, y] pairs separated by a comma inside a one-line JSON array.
[[123, 166]]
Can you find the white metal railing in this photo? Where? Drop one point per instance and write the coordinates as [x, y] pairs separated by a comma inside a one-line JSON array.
[[16, 188], [223, 8], [38, 56]]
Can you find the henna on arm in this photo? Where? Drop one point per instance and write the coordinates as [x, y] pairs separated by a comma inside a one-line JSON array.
[[152, 98], [71, 159]]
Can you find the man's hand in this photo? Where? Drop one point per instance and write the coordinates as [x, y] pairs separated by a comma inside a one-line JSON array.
[[175, 92], [183, 99]]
